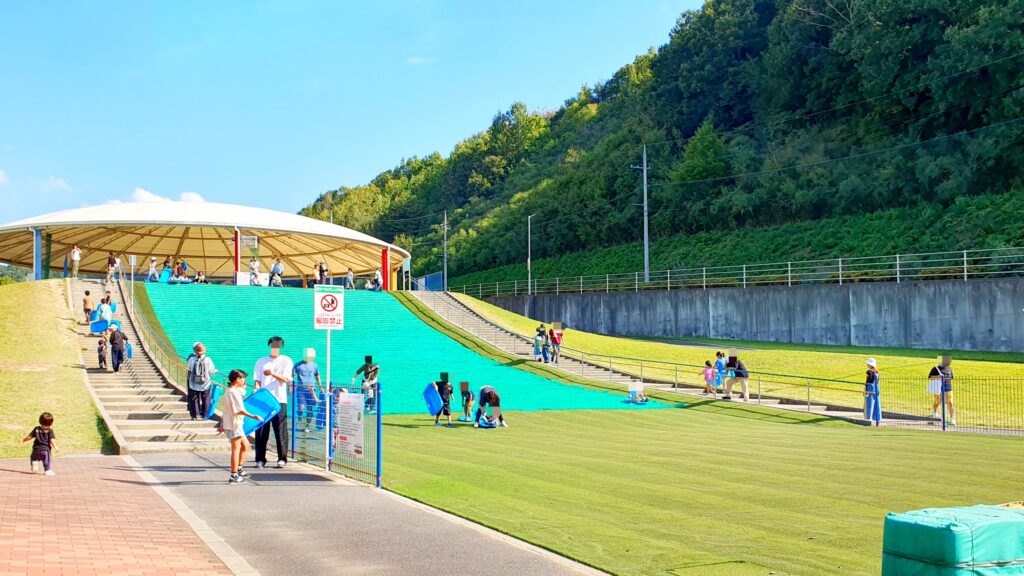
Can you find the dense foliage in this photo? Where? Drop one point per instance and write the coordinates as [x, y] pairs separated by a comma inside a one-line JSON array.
[[757, 113]]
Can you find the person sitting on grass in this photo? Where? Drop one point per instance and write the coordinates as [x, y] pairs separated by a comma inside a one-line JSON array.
[[467, 400], [445, 390], [710, 377], [43, 441], [489, 397], [233, 422]]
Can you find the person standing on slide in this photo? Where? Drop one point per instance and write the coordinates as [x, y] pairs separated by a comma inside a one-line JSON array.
[[274, 372]]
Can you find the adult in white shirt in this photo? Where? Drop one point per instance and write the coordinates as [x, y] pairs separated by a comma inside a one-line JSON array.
[[153, 275], [76, 259], [274, 372], [378, 280]]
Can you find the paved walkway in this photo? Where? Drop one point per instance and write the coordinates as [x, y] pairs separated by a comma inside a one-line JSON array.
[[95, 517], [300, 521]]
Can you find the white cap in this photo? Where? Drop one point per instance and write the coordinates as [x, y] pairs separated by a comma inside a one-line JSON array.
[[310, 353], [871, 362]]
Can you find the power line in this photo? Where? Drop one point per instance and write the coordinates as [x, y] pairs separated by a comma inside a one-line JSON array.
[[847, 105], [411, 217]]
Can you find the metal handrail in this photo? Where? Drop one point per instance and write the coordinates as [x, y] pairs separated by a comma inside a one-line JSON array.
[[591, 357], [161, 351], [960, 264]]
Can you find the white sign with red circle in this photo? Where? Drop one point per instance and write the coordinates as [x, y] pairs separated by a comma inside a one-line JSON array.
[[328, 307]]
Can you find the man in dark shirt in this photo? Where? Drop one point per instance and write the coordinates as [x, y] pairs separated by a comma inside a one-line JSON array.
[[489, 397], [739, 374], [118, 340]]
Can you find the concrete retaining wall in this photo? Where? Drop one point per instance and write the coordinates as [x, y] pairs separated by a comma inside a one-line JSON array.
[[945, 314]]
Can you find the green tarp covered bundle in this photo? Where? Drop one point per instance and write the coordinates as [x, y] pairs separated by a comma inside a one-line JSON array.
[[967, 540]]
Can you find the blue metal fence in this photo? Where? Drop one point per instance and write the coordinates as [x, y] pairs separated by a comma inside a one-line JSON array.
[[338, 427]]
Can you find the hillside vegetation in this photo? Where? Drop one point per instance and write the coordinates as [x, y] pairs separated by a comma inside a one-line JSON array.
[[755, 114]]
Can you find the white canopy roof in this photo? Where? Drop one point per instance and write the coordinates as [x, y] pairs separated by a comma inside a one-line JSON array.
[[201, 233]]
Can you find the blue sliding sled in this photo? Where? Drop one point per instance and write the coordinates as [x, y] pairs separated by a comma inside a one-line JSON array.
[[263, 404], [433, 399], [128, 350], [94, 316], [100, 326], [215, 395], [165, 276]]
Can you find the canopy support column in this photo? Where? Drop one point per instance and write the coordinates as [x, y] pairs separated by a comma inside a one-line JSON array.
[[238, 256], [37, 254]]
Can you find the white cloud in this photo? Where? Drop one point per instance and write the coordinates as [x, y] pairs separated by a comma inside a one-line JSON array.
[[4, 179], [418, 61], [143, 195], [53, 183]]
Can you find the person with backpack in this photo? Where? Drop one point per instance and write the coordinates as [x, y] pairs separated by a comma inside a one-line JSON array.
[[200, 378]]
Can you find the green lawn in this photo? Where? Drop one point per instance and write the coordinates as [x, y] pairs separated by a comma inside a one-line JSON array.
[[712, 489], [783, 370], [39, 371]]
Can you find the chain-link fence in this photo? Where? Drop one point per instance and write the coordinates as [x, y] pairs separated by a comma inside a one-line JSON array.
[[337, 427]]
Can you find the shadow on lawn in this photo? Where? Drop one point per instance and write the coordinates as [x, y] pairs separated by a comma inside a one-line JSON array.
[[753, 412]]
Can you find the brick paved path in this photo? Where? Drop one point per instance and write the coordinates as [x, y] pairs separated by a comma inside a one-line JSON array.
[[95, 517]]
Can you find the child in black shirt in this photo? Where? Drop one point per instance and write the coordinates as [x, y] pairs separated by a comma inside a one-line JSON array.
[[43, 441], [445, 390]]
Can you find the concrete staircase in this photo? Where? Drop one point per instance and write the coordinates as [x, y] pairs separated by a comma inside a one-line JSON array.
[[144, 410], [455, 312]]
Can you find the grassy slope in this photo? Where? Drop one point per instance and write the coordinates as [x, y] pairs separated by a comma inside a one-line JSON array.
[[644, 493], [39, 371], [818, 362]]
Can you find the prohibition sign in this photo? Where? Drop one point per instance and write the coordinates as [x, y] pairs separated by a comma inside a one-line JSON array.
[[329, 303]]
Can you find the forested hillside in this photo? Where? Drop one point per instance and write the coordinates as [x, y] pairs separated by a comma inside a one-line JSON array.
[[755, 114]]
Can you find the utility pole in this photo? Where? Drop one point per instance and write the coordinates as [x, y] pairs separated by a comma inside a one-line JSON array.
[[445, 273], [647, 242], [529, 254]]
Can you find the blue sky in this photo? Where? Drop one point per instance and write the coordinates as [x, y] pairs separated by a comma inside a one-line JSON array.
[[270, 103]]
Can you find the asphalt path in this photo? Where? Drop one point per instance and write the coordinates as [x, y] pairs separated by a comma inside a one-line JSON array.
[[298, 520]]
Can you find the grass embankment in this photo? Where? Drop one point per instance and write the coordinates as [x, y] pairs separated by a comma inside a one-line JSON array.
[[694, 491], [40, 372], [904, 373]]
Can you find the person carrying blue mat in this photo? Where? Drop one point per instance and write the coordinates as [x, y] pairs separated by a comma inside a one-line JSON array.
[[233, 424], [489, 397], [445, 391], [274, 373]]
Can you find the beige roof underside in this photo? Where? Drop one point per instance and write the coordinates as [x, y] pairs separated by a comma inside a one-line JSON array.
[[201, 234]]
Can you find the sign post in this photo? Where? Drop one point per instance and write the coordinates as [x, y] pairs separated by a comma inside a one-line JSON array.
[[131, 262], [328, 314]]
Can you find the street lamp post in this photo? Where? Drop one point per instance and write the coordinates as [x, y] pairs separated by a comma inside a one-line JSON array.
[[529, 254]]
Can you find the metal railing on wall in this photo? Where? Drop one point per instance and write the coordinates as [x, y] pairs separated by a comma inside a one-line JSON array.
[[980, 403], [955, 265]]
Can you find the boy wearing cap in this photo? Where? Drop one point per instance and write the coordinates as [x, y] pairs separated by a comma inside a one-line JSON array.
[[445, 390], [872, 408]]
